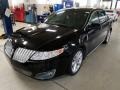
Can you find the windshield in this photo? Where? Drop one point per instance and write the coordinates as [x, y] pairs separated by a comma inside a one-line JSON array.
[[68, 18]]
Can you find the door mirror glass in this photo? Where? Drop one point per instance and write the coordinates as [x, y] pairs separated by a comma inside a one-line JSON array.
[[95, 26]]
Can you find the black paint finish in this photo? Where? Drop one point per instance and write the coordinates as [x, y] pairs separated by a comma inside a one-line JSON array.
[[48, 37]]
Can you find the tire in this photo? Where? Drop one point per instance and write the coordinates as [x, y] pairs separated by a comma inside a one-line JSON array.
[[107, 39], [75, 62]]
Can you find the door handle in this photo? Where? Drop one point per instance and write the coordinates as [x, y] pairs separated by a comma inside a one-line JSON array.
[[86, 37], [91, 31]]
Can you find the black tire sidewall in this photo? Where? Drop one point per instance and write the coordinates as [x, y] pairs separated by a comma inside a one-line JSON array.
[[106, 42]]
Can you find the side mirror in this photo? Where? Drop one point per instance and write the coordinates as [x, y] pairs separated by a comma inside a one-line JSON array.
[[93, 26]]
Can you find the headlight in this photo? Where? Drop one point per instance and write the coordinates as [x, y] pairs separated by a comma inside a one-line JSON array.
[[8, 48], [46, 55]]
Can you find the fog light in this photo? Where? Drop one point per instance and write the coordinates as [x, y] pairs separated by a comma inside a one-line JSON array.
[[46, 75]]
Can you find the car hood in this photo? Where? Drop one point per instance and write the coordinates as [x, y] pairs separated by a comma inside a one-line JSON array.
[[43, 37]]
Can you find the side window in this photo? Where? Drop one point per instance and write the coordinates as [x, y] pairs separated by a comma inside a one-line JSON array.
[[102, 16], [94, 18]]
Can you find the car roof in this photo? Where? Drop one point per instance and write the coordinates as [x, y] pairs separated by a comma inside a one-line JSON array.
[[82, 9]]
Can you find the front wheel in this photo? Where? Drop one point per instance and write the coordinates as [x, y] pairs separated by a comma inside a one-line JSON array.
[[107, 39], [75, 62]]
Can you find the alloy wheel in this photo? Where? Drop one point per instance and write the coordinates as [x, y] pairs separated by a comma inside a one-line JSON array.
[[77, 61]]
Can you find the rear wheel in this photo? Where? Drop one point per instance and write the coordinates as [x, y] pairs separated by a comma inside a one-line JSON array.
[[107, 39], [75, 62]]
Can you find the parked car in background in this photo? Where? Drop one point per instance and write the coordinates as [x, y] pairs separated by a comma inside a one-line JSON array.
[[113, 15], [118, 12], [60, 44]]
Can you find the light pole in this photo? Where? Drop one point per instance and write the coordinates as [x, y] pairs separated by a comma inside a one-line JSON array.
[[116, 4]]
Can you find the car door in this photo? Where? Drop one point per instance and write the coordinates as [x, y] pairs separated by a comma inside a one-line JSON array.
[[93, 32], [104, 25]]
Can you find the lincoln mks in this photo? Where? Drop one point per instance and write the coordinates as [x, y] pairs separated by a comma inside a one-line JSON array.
[[60, 44]]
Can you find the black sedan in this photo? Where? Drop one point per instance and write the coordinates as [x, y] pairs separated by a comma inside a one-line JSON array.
[[60, 44]]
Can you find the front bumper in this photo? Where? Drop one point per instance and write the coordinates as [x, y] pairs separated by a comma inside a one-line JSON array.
[[38, 70], [42, 70]]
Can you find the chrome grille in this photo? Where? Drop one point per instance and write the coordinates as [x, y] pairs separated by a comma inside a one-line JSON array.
[[22, 55], [9, 48]]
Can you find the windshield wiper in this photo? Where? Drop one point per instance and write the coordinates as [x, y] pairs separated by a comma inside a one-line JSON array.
[[58, 24]]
